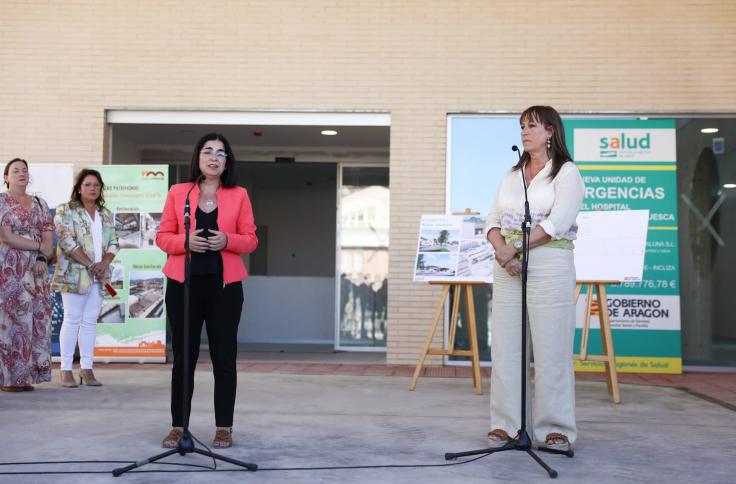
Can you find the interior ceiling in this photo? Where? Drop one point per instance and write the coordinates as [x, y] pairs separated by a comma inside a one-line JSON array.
[[156, 139]]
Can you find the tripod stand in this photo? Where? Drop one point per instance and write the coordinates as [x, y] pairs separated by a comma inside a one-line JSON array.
[[522, 441], [185, 445]]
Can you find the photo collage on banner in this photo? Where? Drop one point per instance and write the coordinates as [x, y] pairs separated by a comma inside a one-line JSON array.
[[132, 324], [631, 165], [453, 248]]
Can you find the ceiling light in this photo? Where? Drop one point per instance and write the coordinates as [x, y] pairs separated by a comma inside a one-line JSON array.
[[729, 185], [709, 130], [329, 132]]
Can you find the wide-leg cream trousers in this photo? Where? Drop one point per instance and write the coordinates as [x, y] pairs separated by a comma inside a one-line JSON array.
[[551, 315]]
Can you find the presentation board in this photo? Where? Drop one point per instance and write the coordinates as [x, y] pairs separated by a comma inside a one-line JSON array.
[[611, 245]]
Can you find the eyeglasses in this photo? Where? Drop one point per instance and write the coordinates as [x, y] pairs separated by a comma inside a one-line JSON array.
[[219, 154]]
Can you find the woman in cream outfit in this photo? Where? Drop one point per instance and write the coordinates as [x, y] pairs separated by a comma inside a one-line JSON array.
[[555, 190]]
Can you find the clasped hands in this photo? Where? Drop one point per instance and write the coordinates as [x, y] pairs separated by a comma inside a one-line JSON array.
[[99, 270], [215, 242], [506, 258]]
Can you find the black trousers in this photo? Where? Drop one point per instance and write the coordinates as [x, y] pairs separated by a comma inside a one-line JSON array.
[[220, 308]]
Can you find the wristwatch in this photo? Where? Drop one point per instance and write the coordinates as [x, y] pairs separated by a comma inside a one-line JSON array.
[[518, 244]]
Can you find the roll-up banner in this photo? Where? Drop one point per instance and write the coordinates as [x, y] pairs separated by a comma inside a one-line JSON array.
[[631, 165], [132, 325]]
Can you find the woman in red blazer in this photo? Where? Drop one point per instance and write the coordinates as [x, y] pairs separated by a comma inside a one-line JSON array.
[[221, 230]]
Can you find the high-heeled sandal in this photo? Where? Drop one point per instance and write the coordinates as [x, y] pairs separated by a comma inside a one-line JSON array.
[[172, 438], [87, 377], [67, 379], [223, 437]]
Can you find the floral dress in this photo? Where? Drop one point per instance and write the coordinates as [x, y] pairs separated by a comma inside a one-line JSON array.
[[25, 299]]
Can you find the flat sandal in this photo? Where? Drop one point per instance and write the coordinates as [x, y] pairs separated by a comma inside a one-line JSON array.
[[556, 441], [223, 438], [172, 439], [498, 438]]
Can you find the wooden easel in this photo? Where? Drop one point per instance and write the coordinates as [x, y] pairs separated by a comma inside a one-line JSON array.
[[608, 356], [472, 332]]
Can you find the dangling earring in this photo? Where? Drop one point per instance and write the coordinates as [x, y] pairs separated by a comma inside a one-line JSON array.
[[549, 143]]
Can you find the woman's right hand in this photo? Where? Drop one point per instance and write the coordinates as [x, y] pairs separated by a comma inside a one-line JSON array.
[[196, 243]]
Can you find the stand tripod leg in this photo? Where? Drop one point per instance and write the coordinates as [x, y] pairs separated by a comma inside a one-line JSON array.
[[247, 465], [150, 460], [552, 473]]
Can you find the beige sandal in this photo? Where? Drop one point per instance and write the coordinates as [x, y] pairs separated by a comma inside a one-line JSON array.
[[498, 438], [223, 437], [556, 441], [172, 439]]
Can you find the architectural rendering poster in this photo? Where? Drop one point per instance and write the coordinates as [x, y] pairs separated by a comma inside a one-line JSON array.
[[132, 325], [631, 165], [453, 248]]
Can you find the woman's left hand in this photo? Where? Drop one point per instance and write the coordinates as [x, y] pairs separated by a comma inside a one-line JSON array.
[[513, 267], [39, 268], [217, 241]]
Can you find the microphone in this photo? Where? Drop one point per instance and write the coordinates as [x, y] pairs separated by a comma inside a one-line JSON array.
[[518, 151], [187, 221], [526, 227], [187, 210]]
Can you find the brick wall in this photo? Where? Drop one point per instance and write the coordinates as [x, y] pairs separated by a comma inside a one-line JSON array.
[[65, 61]]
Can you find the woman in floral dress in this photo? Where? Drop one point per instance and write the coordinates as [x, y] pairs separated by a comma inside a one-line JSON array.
[[26, 231]]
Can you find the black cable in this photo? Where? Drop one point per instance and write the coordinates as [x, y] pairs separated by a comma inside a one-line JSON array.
[[214, 461], [211, 469]]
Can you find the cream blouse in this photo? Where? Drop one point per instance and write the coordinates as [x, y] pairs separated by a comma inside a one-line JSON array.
[[554, 204]]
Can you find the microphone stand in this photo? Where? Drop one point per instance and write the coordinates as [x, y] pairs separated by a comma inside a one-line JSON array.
[[185, 445], [522, 441]]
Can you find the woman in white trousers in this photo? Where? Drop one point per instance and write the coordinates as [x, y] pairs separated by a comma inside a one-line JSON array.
[[87, 245], [555, 191]]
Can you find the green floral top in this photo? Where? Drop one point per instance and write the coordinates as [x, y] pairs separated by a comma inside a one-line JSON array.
[[74, 230]]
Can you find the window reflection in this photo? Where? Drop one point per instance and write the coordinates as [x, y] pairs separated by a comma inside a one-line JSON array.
[[364, 231]]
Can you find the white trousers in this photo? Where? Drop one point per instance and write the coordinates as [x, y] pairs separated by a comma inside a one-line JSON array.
[[79, 325], [551, 316]]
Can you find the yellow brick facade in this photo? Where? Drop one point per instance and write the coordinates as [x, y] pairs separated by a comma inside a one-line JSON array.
[[65, 62]]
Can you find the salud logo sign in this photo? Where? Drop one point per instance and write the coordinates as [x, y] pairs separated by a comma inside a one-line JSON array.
[[622, 146], [629, 145]]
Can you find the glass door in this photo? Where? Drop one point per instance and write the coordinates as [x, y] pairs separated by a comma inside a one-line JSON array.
[[362, 258]]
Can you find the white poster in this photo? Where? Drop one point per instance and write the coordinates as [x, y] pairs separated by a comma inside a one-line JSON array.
[[611, 245]]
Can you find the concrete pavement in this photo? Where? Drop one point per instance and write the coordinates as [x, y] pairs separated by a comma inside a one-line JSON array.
[[287, 420]]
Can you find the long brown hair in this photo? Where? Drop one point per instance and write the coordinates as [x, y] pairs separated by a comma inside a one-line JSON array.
[[548, 117], [76, 198]]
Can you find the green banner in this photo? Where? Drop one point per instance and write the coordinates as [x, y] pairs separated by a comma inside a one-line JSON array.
[[132, 324], [631, 165]]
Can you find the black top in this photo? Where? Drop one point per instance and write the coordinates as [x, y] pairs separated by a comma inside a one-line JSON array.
[[209, 262]]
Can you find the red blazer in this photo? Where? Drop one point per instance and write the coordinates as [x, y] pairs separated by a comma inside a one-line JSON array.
[[234, 217]]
